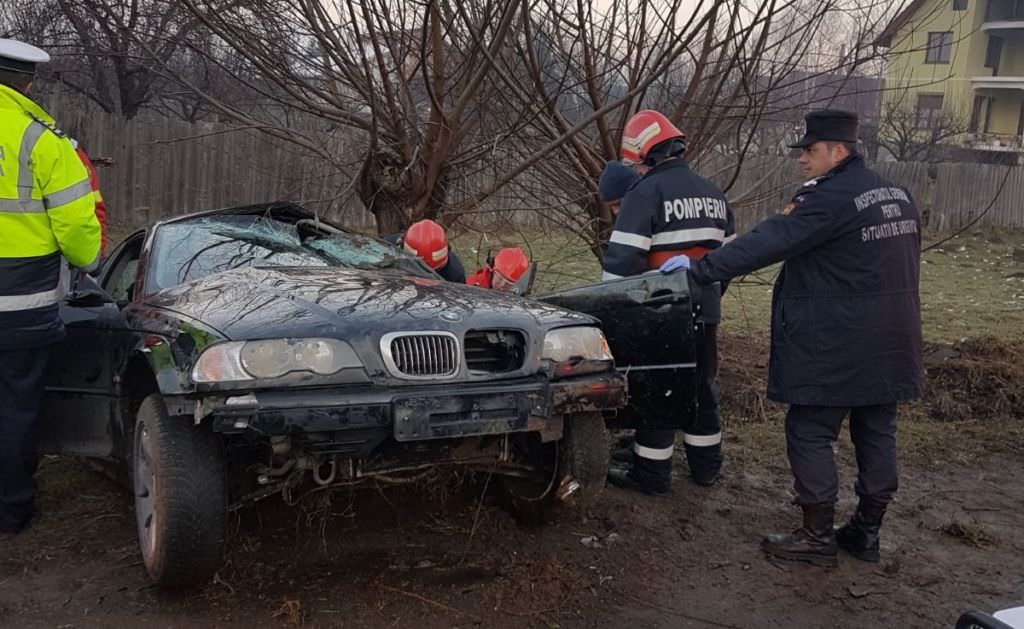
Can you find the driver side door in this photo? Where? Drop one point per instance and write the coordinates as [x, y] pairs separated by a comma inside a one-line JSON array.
[[79, 395], [652, 325]]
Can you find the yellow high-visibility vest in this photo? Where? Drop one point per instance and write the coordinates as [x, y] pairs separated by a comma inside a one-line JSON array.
[[47, 208]]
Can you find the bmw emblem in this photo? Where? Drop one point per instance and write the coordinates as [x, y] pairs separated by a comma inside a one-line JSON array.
[[451, 317]]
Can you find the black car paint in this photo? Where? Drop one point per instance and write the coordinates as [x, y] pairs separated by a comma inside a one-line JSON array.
[[157, 338], [652, 325]]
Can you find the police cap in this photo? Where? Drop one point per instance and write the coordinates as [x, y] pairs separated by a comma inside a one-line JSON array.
[[16, 56], [828, 125]]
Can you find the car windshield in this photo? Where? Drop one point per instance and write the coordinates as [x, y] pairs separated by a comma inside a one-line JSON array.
[[188, 250]]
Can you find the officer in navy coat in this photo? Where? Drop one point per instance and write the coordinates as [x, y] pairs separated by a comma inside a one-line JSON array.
[[846, 330]]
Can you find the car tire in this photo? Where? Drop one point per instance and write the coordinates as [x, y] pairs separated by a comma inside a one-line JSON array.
[[580, 456], [584, 457], [180, 494]]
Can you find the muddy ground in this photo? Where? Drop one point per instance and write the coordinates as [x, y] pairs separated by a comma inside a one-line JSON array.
[[447, 553]]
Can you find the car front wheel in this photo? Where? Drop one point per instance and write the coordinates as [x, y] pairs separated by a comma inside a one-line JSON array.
[[570, 471], [584, 457], [180, 496]]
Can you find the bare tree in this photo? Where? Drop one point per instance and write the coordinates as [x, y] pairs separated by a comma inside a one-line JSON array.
[[97, 45], [912, 134]]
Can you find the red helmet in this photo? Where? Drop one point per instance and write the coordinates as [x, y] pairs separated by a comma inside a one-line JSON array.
[[645, 130], [427, 240], [511, 262]]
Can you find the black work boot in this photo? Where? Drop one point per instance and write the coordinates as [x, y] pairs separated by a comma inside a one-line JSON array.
[[623, 478], [814, 542], [860, 536]]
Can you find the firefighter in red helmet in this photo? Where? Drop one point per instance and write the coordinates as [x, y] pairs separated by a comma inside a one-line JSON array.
[[503, 272], [671, 211], [428, 241]]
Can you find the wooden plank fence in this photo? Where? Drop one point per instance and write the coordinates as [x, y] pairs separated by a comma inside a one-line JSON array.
[[164, 167]]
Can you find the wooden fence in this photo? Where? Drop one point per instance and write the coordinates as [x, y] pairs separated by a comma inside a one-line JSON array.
[[164, 168]]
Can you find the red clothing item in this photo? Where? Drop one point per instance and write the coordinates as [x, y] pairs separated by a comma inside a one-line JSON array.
[[481, 278], [101, 206]]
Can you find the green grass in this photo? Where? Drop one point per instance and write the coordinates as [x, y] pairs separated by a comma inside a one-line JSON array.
[[970, 286]]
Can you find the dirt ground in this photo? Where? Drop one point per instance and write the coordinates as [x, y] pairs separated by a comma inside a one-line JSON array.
[[447, 554]]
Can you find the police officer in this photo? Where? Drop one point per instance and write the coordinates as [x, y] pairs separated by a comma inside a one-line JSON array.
[[47, 210], [846, 330], [671, 211]]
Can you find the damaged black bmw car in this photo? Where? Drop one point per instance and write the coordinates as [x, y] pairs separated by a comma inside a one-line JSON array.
[[224, 357]]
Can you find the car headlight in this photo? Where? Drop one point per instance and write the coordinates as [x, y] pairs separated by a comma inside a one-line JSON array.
[[577, 350], [238, 361]]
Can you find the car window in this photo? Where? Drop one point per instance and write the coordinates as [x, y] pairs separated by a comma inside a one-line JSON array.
[[183, 251], [124, 267]]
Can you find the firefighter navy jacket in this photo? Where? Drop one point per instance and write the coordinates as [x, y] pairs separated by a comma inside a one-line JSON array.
[[670, 209], [846, 323]]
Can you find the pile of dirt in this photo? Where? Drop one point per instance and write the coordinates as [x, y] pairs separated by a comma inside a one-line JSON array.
[[978, 379]]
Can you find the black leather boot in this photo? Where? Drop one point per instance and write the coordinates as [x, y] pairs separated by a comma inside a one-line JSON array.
[[624, 478], [860, 536], [814, 542]]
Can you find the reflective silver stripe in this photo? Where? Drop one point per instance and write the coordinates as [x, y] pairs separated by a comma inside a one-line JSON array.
[[629, 368], [654, 454], [605, 276], [11, 303], [686, 236], [729, 239], [69, 194], [702, 441], [28, 144], [631, 240], [22, 207]]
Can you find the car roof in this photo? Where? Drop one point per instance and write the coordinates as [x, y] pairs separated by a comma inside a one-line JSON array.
[[278, 209]]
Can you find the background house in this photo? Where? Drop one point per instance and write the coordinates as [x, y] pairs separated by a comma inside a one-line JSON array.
[[959, 64]]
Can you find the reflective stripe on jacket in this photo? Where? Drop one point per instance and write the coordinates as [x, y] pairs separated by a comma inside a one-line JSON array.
[[47, 210]]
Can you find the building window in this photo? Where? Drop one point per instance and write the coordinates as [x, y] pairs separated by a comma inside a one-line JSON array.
[[993, 52], [976, 109], [959, 5], [929, 110], [940, 47]]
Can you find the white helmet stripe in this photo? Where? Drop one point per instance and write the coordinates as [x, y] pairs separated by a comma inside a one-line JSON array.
[[637, 143]]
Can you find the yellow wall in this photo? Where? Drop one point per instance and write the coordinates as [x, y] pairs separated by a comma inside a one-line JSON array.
[[1005, 115], [907, 73]]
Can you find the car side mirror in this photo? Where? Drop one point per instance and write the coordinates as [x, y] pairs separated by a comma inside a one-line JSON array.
[[88, 298]]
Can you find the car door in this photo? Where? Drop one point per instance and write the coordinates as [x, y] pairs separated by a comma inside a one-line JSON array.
[[79, 396], [652, 325]]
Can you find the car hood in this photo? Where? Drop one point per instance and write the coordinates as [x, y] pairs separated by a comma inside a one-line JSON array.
[[277, 302]]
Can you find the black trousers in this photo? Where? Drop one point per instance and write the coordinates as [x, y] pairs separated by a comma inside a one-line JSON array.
[[811, 432], [702, 439], [21, 391]]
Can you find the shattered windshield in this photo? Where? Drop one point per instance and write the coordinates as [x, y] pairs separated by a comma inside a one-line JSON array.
[[188, 250]]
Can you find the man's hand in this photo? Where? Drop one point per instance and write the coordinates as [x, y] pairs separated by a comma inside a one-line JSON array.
[[675, 263]]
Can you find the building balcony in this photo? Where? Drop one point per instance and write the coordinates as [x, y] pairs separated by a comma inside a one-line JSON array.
[[1012, 24], [997, 83], [994, 142]]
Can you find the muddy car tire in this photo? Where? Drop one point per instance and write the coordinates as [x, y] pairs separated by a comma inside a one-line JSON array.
[[580, 457], [584, 457], [180, 496]]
